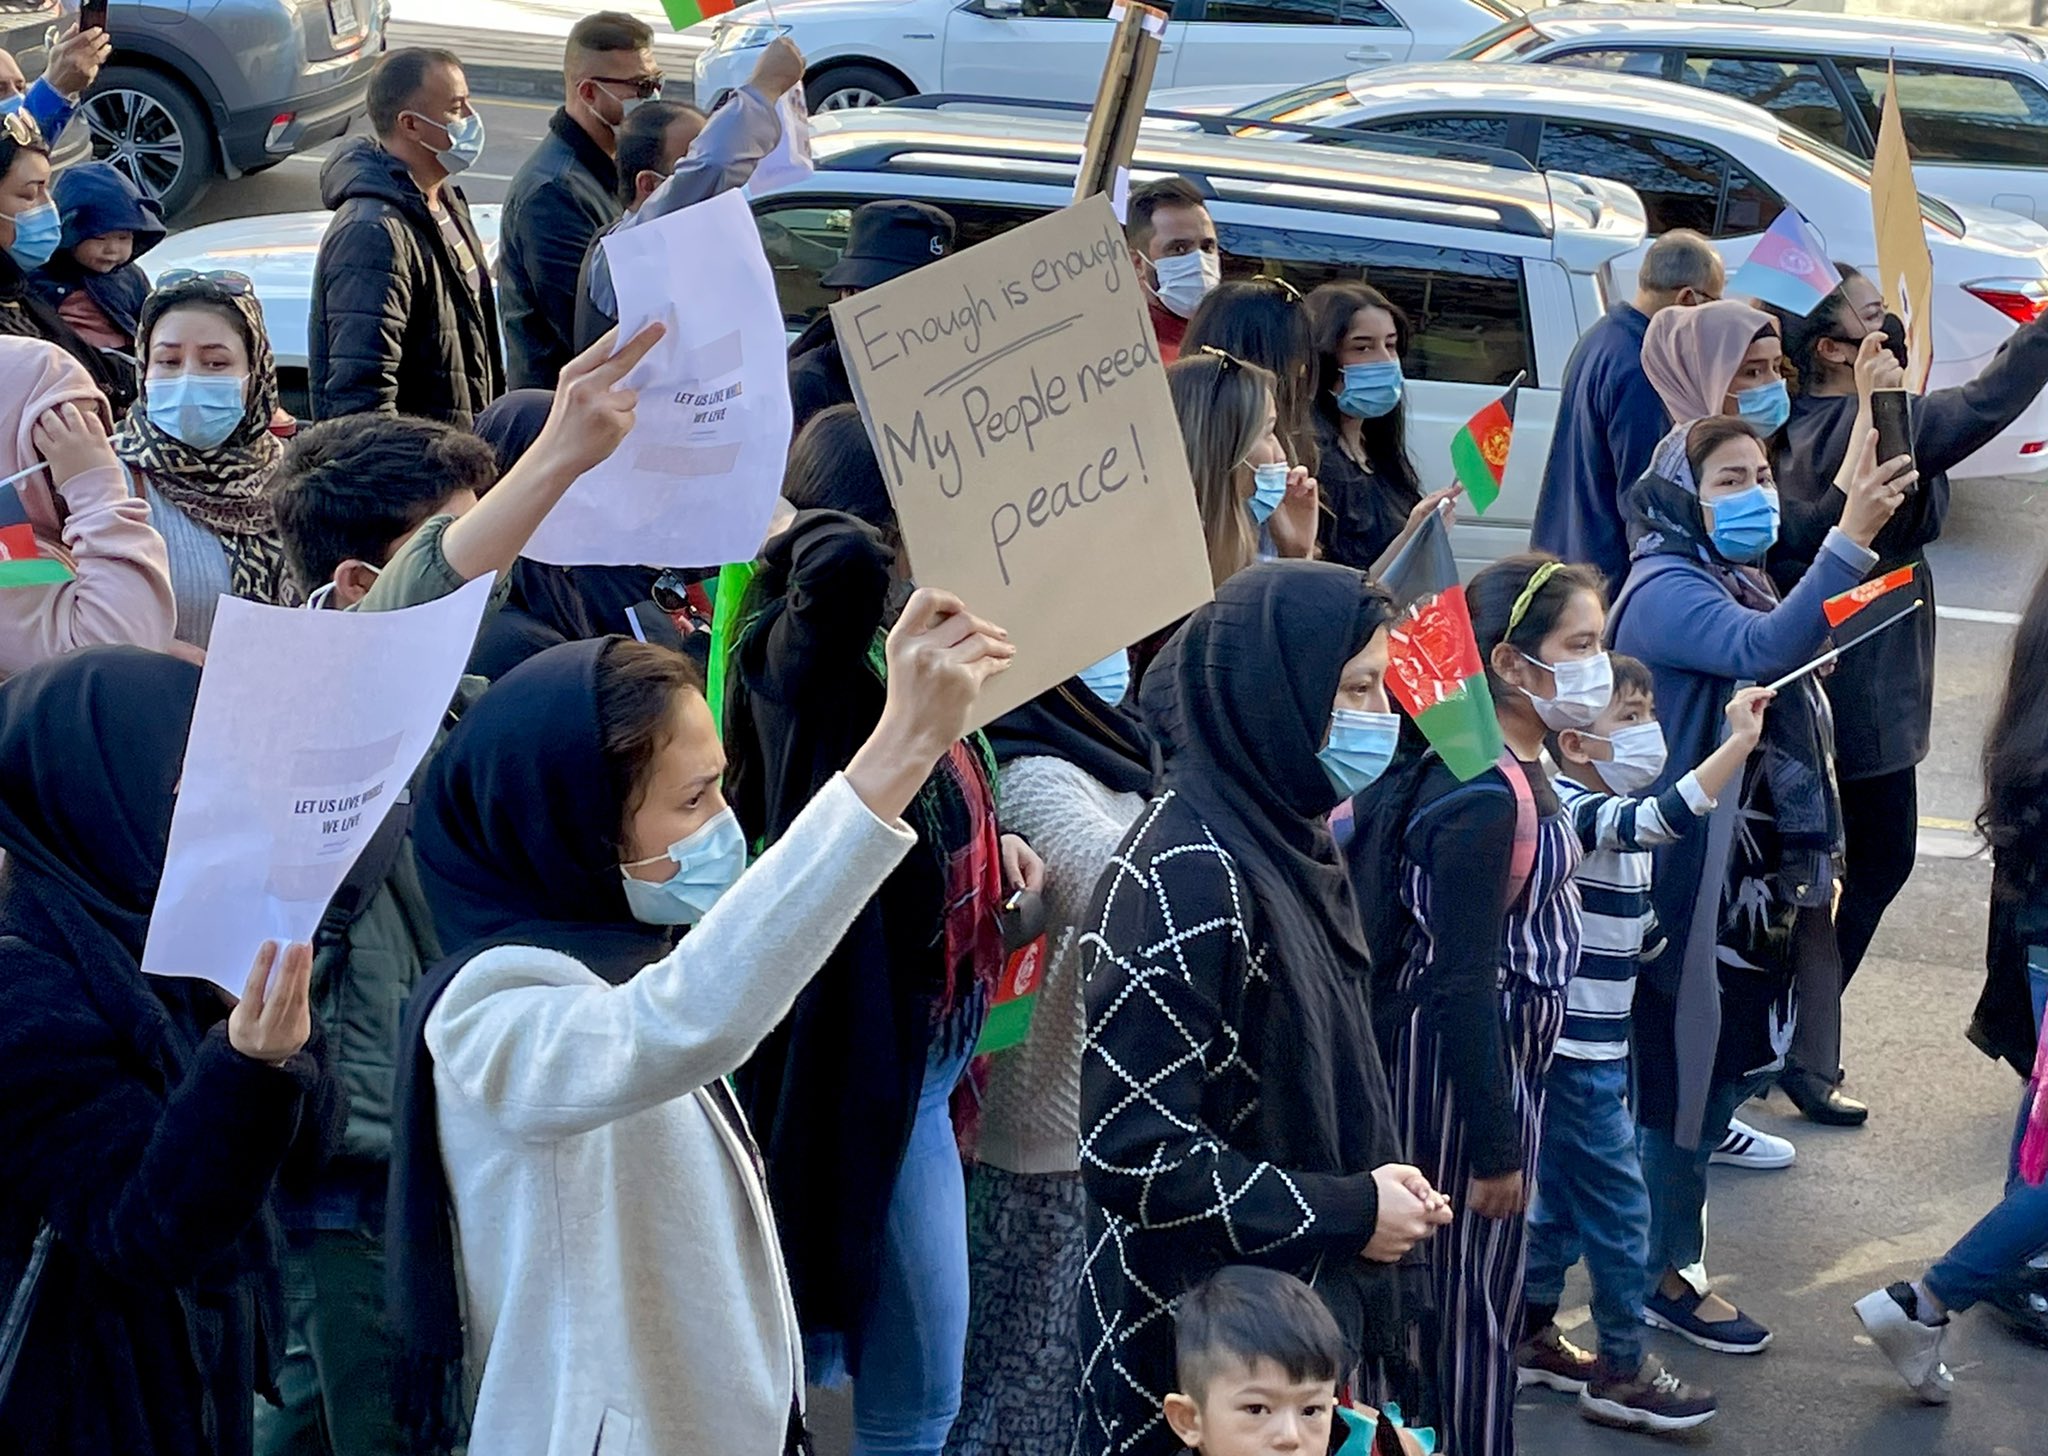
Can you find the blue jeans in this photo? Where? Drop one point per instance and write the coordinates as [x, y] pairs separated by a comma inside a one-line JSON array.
[[1590, 1199], [1677, 1179], [916, 1338], [2016, 1230]]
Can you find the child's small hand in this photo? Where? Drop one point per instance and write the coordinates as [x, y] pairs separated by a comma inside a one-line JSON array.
[[1746, 715]]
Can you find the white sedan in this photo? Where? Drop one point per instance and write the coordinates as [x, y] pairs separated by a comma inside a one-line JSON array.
[[865, 52], [1698, 160]]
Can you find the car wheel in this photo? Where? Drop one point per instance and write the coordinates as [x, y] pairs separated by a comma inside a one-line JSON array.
[[149, 127], [842, 88]]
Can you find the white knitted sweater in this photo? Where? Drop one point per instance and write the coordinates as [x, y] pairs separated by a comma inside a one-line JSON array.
[[1031, 1117]]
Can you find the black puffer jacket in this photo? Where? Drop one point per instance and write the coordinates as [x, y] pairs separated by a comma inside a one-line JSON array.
[[395, 325]]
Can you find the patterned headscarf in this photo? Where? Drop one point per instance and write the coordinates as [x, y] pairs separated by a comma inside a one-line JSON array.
[[225, 489]]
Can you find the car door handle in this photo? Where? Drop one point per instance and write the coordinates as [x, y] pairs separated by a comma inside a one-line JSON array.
[[1166, 50], [1369, 53]]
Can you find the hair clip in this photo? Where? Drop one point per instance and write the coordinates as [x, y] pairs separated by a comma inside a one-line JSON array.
[[1520, 609], [1228, 360], [1288, 290]]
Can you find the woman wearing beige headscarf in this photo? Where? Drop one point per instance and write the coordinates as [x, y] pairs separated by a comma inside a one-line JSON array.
[[1720, 358]]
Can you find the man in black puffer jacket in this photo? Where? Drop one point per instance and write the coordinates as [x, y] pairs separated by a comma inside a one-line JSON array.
[[403, 320]]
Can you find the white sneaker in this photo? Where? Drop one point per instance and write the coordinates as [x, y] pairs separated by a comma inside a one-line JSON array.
[[1913, 1348], [1745, 1147]]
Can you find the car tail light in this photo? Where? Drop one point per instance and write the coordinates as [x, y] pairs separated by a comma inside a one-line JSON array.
[[279, 123], [2034, 447], [2020, 299]]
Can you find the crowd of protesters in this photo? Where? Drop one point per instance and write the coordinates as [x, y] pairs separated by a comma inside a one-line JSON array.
[[631, 1088]]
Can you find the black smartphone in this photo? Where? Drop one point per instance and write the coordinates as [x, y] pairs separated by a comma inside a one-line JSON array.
[[92, 15], [1891, 411]]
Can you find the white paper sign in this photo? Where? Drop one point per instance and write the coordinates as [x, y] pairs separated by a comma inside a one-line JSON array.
[[695, 481], [307, 728], [790, 161]]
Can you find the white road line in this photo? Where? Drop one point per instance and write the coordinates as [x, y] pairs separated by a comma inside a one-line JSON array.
[[1978, 614]]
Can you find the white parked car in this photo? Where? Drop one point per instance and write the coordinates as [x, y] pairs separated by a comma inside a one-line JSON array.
[[1722, 167], [1974, 98], [277, 253], [864, 52]]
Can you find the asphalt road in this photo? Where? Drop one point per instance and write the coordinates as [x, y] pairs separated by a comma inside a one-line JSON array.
[[1860, 1208]]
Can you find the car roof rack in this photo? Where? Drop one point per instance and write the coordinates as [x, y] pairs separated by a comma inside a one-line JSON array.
[[1231, 125]]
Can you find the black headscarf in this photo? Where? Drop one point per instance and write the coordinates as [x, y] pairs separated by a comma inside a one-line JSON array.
[[1241, 701], [1109, 744], [515, 834], [91, 746]]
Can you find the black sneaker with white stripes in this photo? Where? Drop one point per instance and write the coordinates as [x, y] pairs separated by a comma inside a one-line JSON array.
[[1649, 1398]]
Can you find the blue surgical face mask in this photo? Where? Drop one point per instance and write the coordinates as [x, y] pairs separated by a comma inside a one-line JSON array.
[[465, 141], [1360, 748], [1110, 678], [707, 863], [1371, 390], [1745, 525], [200, 409], [36, 235], [1767, 406], [1269, 488]]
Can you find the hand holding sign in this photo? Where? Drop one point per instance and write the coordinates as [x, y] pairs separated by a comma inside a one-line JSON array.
[[274, 1018], [940, 657]]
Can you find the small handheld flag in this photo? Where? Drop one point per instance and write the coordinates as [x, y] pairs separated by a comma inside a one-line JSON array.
[[1841, 608], [1433, 667], [1788, 267], [23, 559], [1479, 452], [1827, 657], [682, 14]]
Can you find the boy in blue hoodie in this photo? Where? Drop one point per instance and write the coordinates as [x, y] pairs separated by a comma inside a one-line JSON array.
[[92, 280]]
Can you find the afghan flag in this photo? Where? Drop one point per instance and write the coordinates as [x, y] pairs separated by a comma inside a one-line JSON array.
[[682, 14], [1479, 452], [1788, 267], [23, 559], [1841, 608], [1433, 668]]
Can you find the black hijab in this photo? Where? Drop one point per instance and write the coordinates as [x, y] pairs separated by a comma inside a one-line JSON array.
[[1241, 701], [1109, 744], [91, 746], [515, 837]]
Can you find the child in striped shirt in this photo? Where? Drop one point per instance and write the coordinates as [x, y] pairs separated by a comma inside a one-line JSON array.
[[1590, 1197]]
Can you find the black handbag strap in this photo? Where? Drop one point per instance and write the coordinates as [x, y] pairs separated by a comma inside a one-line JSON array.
[[14, 1332]]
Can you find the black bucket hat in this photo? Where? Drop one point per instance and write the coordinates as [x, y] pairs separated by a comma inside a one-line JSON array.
[[889, 239]]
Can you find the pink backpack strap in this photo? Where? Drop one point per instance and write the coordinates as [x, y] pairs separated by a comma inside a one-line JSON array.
[[1522, 859]]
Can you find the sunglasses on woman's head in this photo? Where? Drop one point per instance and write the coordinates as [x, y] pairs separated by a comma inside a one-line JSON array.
[[21, 128], [234, 285]]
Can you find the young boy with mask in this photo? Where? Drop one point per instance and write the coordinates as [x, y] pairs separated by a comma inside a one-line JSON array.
[[1590, 1197]]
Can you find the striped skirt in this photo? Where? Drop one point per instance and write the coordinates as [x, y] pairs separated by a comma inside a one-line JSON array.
[[1475, 1265]]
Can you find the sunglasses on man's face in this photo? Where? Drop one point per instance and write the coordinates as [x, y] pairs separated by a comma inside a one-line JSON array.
[[647, 88]]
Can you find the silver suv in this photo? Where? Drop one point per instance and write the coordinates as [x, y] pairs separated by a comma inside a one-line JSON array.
[[199, 89]]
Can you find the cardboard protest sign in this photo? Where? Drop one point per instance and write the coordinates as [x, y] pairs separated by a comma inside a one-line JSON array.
[[696, 480], [307, 730], [1905, 269], [1018, 407]]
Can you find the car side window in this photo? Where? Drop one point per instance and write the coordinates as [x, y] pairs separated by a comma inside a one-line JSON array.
[[1273, 12], [1065, 10], [1477, 131], [1469, 309], [1680, 183], [1793, 91], [804, 237], [1985, 118], [1621, 62], [1749, 206]]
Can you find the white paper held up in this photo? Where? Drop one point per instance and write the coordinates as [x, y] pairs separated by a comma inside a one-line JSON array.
[[308, 727], [790, 160], [695, 481]]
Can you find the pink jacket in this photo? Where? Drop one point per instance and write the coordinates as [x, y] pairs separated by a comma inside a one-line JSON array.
[[123, 590]]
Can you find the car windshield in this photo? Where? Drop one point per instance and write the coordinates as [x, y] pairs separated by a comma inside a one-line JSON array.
[[1507, 42], [1324, 102], [1827, 154]]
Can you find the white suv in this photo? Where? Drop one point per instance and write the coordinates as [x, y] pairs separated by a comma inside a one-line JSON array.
[[864, 52], [1499, 268], [1721, 167], [1974, 98]]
